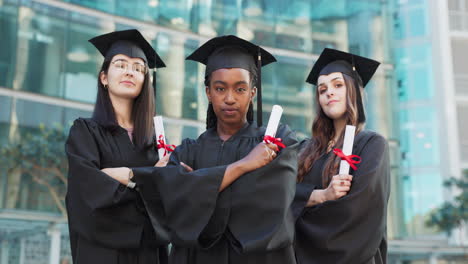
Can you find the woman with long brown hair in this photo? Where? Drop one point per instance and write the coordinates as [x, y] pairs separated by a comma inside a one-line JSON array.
[[341, 218]]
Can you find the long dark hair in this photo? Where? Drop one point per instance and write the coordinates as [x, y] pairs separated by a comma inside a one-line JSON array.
[[212, 120], [323, 131], [142, 112]]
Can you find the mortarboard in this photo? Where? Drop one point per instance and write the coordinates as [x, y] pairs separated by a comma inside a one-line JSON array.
[[331, 60], [128, 42]]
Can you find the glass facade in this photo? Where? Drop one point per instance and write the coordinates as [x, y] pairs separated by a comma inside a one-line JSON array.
[[49, 76], [418, 117], [56, 38]]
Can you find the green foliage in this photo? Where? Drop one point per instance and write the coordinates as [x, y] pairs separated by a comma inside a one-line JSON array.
[[41, 156], [452, 214]]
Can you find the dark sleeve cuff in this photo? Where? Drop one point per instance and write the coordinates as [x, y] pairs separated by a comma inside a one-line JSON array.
[[188, 199], [303, 192], [140, 172]]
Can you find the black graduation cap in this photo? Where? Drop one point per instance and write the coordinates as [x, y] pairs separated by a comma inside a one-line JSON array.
[[331, 60], [128, 42], [226, 52], [357, 67]]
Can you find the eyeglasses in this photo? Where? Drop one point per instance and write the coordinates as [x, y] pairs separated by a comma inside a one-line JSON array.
[[136, 67]]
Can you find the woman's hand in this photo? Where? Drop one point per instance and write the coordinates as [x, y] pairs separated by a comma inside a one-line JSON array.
[[121, 174], [258, 157], [163, 162], [339, 186]]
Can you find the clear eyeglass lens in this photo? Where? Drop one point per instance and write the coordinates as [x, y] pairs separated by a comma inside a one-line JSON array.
[[136, 67]]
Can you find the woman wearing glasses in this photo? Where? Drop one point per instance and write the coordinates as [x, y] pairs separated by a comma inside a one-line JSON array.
[[108, 222]]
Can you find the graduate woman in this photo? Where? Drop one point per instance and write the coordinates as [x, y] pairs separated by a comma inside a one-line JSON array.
[[227, 195], [341, 218], [108, 222]]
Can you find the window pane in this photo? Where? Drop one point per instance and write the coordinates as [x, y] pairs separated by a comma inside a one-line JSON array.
[[8, 29], [40, 50]]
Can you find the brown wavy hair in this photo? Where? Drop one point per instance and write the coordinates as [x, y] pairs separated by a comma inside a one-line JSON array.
[[323, 131]]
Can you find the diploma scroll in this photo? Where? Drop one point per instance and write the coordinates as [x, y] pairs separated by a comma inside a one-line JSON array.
[[159, 132], [347, 148], [274, 120]]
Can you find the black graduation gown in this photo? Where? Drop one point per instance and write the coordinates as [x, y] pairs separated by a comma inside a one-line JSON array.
[[107, 221], [250, 221], [352, 229]]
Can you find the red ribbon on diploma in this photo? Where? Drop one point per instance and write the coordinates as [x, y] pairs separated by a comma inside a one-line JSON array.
[[163, 145], [349, 158], [277, 141]]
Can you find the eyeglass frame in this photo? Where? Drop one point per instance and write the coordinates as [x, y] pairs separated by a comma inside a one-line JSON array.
[[128, 63]]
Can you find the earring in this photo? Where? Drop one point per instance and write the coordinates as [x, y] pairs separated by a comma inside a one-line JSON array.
[[106, 86]]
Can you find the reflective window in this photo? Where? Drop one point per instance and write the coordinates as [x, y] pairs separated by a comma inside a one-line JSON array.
[[22, 191], [5, 107], [421, 170], [40, 50], [82, 60], [8, 29], [284, 84], [417, 22], [299, 25]]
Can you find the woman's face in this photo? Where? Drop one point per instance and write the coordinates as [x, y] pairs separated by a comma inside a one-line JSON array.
[[230, 94], [332, 95], [125, 76]]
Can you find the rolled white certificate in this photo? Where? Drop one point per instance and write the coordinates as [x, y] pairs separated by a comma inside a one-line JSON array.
[[274, 120], [347, 148], [159, 132]]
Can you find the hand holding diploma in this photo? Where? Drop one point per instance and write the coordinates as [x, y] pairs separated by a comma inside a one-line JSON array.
[[347, 159], [265, 152], [163, 148], [339, 184]]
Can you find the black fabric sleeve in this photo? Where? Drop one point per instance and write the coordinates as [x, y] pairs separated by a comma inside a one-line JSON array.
[[94, 199], [302, 196], [261, 217], [187, 198]]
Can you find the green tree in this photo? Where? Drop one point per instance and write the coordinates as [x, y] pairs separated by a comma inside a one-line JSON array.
[[41, 156], [452, 214]]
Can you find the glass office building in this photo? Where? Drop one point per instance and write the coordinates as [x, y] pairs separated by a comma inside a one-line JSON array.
[[48, 75]]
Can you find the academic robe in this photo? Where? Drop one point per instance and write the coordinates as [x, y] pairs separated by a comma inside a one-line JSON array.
[[351, 229], [250, 221], [107, 221]]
